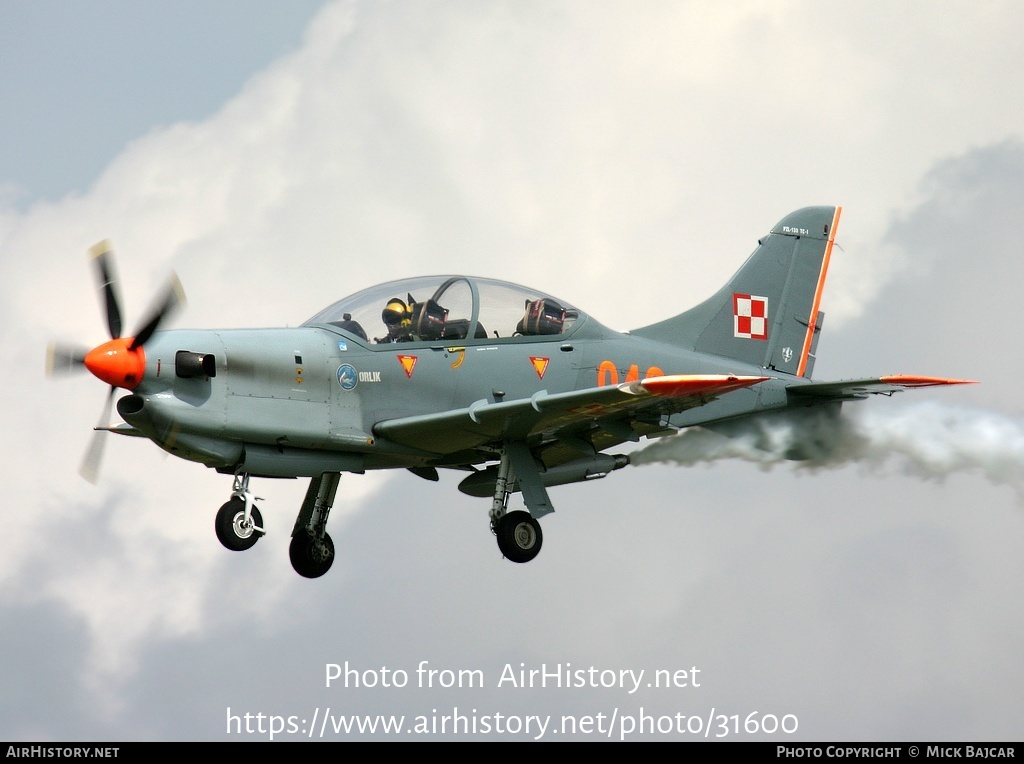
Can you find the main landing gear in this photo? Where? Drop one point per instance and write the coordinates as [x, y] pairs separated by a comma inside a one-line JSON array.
[[239, 523], [312, 549], [518, 533]]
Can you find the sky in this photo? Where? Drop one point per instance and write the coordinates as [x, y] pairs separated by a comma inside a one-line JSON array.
[[623, 156]]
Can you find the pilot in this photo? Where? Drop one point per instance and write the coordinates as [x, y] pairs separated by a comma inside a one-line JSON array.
[[398, 319]]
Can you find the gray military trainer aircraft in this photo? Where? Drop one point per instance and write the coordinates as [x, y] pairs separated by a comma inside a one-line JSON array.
[[517, 388]]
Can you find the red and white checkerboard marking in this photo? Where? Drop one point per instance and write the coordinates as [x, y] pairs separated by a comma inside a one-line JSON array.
[[750, 316]]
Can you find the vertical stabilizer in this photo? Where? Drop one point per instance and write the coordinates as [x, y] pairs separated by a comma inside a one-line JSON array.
[[769, 313]]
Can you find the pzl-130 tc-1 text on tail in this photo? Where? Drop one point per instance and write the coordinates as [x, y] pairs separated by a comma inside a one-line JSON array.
[[517, 388]]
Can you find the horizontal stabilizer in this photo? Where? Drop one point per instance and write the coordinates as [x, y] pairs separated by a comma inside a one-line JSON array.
[[694, 384], [861, 388]]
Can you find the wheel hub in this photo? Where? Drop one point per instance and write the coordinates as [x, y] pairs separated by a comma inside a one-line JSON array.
[[319, 551], [242, 528], [525, 536]]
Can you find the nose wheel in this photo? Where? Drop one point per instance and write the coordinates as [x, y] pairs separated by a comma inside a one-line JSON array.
[[235, 530], [239, 524]]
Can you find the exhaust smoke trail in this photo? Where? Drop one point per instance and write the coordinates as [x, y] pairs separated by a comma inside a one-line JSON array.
[[928, 441]]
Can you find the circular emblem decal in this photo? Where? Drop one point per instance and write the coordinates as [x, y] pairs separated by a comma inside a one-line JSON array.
[[347, 376]]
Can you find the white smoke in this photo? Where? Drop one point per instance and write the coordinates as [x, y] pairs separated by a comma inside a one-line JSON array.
[[927, 440]]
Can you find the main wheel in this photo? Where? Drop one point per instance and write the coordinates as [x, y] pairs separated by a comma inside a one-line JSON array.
[[519, 536], [232, 529], [311, 558]]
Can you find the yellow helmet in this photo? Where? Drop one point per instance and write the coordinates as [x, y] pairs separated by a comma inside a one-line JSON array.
[[395, 312]]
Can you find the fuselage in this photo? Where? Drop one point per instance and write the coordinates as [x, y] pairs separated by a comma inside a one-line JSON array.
[[303, 401]]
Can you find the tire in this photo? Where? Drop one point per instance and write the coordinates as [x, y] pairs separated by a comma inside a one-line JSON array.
[[310, 559], [231, 531], [519, 536]]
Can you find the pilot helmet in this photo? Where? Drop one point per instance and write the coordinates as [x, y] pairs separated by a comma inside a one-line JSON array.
[[395, 313]]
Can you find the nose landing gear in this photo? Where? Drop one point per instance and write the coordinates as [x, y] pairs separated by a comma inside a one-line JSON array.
[[239, 523]]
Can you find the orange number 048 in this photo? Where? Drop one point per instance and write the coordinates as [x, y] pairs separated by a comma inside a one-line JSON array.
[[608, 374]]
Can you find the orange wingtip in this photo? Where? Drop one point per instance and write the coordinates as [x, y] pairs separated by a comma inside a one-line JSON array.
[[697, 384], [907, 380]]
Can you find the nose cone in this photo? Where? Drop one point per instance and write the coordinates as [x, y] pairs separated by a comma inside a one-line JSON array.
[[117, 364]]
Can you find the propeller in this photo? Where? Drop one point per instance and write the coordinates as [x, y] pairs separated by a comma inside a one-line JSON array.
[[64, 359], [90, 466], [173, 298], [118, 362], [103, 258]]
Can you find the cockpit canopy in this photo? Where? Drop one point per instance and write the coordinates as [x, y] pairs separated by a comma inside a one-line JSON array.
[[448, 308]]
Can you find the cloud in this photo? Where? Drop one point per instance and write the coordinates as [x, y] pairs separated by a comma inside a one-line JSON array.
[[951, 308]]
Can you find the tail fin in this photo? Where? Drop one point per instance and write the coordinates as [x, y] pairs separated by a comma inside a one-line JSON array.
[[768, 314]]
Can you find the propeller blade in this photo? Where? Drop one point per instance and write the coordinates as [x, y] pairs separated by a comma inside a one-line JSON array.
[[64, 359], [90, 467], [104, 260], [173, 299]]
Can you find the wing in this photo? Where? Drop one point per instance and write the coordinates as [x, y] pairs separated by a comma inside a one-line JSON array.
[[852, 389], [544, 415]]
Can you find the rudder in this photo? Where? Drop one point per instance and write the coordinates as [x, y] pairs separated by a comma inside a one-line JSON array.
[[769, 313]]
